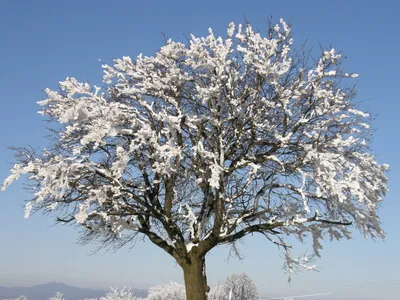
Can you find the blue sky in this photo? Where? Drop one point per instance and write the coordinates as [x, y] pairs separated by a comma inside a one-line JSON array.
[[42, 42]]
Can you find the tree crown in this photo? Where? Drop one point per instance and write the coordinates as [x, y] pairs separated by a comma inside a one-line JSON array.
[[204, 143]]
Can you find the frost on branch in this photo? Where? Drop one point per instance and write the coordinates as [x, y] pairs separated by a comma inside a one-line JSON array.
[[204, 143]]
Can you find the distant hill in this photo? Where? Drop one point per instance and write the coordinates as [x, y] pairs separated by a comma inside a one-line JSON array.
[[44, 291]]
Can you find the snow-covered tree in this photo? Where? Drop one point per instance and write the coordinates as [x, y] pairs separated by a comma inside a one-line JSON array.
[[169, 291], [235, 287], [57, 296], [205, 143], [241, 287], [120, 294], [218, 292]]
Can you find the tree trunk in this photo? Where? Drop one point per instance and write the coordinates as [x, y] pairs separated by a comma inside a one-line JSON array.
[[194, 273]]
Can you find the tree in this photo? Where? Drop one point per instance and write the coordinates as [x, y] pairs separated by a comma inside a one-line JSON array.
[[57, 296], [120, 294], [170, 291], [241, 287], [235, 287], [203, 144]]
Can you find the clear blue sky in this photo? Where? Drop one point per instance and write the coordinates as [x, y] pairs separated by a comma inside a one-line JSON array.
[[42, 42]]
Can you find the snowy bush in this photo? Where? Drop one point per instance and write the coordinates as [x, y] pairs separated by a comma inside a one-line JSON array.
[[57, 296], [242, 287], [169, 291], [235, 287], [218, 292], [120, 294]]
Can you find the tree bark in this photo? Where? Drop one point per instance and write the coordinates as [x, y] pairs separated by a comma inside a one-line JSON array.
[[194, 273]]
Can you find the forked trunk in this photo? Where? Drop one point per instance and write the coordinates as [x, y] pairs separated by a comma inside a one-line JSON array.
[[194, 273]]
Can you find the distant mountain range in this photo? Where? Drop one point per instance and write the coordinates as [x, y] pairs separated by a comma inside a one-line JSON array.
[[45, 291]]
